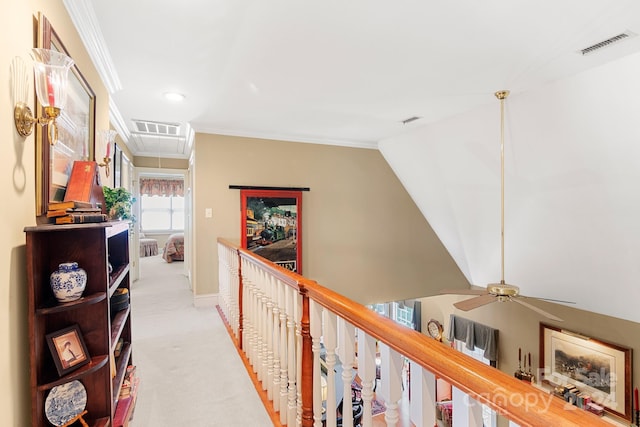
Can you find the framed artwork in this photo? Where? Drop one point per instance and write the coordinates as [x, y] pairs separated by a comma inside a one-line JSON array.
[[117, 166], [68, 349], [76, 130], [271, 222], [599, 369]]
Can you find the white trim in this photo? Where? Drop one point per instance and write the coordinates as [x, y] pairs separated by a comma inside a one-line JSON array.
[[205, 301], [85, 20], [289, 138], [118, 122]]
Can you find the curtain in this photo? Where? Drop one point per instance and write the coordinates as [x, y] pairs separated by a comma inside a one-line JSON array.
[[474, 335], [161, 187]]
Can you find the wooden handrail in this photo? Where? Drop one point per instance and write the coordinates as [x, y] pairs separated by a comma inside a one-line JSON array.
[[516, 400]]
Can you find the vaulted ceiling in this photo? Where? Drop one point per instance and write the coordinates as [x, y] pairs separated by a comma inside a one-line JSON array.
[[334, 72], [415, 79]]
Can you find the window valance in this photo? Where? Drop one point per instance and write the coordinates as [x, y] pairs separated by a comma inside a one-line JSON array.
[[161, 187], [474, 335]]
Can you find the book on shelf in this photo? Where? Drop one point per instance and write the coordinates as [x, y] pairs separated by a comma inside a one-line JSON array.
[[84, 210], [81, 218], [84, 176], [84, 184], [56, 213], [63, 212], [69, 204], [123, 409]]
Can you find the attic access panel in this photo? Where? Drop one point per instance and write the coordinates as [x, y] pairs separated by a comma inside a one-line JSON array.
[[271, 222]]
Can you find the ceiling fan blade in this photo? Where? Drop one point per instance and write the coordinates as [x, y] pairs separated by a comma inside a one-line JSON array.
[[476, 302], [464, 291], [536, 309]]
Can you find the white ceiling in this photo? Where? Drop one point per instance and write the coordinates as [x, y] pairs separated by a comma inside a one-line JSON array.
[[349, 72], [334, 72]]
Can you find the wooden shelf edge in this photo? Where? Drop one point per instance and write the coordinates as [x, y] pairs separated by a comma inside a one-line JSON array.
[[117, 325], [96, 363], [66, 306], [102, 422], [116, 278], [117, 227], [121, 369], [62, 227]]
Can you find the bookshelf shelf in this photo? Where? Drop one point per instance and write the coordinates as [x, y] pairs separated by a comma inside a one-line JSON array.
[[93, 246], [51, 307]]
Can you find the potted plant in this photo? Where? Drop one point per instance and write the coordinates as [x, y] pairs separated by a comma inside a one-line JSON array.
[[118, 203]]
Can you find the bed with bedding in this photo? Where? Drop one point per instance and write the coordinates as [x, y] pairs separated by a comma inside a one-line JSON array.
[[174, 248]]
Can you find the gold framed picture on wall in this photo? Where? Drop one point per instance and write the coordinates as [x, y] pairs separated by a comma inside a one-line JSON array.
[[76, 129]]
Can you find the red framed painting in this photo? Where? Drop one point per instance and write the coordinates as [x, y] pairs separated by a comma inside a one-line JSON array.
[[271, 222]]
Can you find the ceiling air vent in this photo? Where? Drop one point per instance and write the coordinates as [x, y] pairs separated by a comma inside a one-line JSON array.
[[607, 42], [410, 119], [156, 128]]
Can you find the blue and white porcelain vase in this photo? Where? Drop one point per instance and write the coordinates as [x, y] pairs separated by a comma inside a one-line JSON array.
[[68, 282]]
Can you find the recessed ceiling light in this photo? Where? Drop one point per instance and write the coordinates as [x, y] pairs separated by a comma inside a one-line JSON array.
[[174, 96]]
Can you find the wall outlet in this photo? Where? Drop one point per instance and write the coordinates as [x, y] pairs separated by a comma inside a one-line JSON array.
[[208, 213]]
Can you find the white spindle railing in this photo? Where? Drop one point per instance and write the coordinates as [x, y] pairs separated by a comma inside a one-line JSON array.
[[288, 327]]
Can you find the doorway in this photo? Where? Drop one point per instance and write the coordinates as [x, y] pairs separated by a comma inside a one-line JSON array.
[[163, 217]]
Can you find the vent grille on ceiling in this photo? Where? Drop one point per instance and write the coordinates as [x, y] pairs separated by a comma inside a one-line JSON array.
[[410, 119], [607, 42], [156, 128]]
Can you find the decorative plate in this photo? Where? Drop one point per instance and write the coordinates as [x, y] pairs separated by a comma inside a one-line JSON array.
[[65, 402]]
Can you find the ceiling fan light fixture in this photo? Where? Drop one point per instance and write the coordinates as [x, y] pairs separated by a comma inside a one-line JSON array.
[[502, 291]]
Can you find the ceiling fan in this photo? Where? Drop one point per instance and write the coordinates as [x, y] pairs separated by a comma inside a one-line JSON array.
[[502, 291]]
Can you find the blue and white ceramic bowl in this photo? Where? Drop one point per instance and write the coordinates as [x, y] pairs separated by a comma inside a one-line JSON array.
[[65, 402], [68, 282]]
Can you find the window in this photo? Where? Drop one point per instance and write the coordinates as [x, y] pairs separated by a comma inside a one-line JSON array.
[[162, 213], [489, 416]]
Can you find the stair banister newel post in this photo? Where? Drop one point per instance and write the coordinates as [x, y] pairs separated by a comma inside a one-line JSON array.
[[307, 363]]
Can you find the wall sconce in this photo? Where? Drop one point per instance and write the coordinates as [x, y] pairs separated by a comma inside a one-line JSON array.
[[51, 71], [108, 136]]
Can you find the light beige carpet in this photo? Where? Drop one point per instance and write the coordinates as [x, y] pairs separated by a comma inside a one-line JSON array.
[[191, 374]]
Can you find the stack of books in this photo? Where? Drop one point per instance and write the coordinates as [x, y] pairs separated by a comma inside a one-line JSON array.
[[74, 212], [127, 398], [129, 384]]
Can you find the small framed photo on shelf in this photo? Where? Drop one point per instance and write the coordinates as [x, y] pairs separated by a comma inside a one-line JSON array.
[[68, 349]]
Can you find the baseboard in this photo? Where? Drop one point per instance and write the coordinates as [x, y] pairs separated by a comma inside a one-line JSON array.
[[205, 301]]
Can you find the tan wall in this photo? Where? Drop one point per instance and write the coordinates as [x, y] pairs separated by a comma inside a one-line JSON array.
[[362, 234], [17, 186], [160, 163], [519, 327]]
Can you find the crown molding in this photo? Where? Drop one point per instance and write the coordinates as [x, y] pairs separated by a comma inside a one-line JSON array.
[[118, 122], [289, 138], [86, 23]]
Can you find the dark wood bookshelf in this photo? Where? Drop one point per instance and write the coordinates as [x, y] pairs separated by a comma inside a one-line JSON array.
[[93, 246]]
